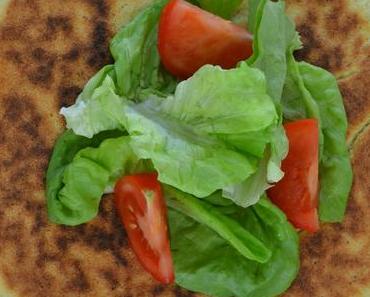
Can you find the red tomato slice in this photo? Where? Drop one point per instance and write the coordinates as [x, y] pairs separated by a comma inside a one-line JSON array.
[[308, 220], [190, 37], [141, 206], [297, 193]]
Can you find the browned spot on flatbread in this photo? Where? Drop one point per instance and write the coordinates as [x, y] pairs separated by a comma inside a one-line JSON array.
[[42, 41], [20, 121], [14, 56], [101, 7], [158, 289], [68, 94], [179, 292], [111, 278], [73, 54], [356, 95], [334, 34], [57, 23], [11, 33], [98, 55], [42, 75], [79, 282]]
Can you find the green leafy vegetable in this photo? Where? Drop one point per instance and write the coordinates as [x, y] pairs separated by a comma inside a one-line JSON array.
[[223, 8], [297, 101], [274, 44], [229, 229], [191, 136], [274, 36], [268, 172], [207, 263], [217, 126], [67, 146], [255, 11], [313, 92], [97, 108], [79, 173], [135, 75], [335, 166], [137, 63]]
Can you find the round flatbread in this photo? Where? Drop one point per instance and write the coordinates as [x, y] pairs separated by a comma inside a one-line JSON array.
[[48, 50]]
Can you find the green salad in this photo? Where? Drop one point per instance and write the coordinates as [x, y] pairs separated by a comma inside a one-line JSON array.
[[216, 138]]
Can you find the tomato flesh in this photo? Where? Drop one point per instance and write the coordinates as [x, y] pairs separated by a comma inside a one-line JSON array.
[[190, 37], [305, 220], [297, 193], [142, 209]]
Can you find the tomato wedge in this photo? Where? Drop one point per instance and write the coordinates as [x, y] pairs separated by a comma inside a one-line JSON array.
[[190, 37], [141, 206], [297, 193]]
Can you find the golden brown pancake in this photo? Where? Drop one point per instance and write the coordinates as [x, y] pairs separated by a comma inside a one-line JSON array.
[[48, 50]]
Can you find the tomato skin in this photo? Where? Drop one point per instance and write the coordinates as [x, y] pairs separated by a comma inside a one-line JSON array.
[[142, 209], [297, 193], [190, 37]]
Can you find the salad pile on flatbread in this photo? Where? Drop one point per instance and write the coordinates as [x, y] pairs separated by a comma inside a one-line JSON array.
[[216, 143]]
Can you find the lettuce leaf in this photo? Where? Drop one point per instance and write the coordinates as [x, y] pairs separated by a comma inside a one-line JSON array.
[[97, 106], [137, 62], [207, 263], [274, 36], [312, 92], [65, 149], [217, 126], [191, 136], [220, 125], [79, 172], [268, 172], [136, 74], [226, 227], [335, 164], [104, 111], [223, 8], [299, 96]]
